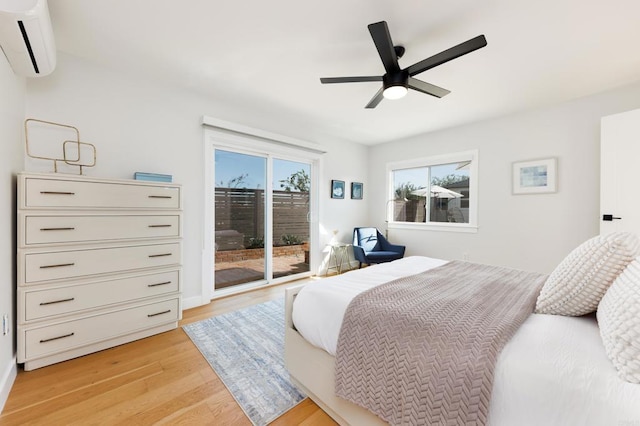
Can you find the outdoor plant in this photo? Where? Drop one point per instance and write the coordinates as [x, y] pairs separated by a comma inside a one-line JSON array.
[[404, 191], [289, 239], [298, 181], [448, 180], [256, 243]]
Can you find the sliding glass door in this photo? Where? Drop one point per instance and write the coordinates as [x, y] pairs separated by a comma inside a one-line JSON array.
[[291, 212], [240, 212], [261, 217]]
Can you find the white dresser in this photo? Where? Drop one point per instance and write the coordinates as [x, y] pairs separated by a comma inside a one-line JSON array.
[[99, 264]]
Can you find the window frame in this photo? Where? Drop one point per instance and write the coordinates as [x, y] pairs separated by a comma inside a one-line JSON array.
[[435, 160]]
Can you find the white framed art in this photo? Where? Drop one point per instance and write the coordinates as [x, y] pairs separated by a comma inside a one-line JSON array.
[[535, 176]]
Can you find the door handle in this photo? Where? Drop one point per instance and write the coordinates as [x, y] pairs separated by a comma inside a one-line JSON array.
[[609, 217]]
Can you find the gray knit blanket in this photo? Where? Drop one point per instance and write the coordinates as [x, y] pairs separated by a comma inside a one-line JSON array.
[[421, 350]]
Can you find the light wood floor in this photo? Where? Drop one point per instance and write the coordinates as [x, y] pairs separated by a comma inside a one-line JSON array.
[[162, 379]]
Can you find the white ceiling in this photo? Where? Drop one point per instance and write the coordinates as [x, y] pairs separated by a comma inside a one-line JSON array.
[[269, 55]]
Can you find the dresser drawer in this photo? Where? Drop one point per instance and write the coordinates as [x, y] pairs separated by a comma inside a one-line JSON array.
[[75, 333], [80, 228], [43, 266], [49, 193], [40, 304]]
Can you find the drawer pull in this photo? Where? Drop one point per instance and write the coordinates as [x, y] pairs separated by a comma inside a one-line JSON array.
[[160, 196], [57, 266], [56, 338], [57, 193], [57, 229], [157, 284], [58, 301], [160, 226], [160, 255], [159, 313]]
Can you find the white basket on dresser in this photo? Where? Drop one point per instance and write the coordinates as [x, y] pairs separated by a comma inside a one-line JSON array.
[[99, 264]]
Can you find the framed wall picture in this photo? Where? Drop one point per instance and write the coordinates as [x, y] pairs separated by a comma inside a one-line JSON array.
[[337, 189], [535, 176], [356, 190]]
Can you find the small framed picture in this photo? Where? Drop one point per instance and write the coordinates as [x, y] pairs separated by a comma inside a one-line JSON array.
[[535, 176], [337, 189], [356, 190]]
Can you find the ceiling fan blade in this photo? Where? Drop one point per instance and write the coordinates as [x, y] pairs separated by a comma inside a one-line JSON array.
[[376, 99], [382, 39], [329, 80], [428, 88], [447, 55]]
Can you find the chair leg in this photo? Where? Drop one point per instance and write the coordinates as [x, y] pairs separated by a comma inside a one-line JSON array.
[[359, 265]]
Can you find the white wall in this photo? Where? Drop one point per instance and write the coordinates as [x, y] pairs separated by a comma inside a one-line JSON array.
[[348, 162], [140, 125], [530, 232], [12, 106]]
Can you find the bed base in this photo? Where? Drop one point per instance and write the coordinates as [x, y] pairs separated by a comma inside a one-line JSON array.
[[313, 371]]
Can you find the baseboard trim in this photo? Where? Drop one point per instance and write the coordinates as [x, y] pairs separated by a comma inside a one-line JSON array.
[[193, 302], [8, 377]]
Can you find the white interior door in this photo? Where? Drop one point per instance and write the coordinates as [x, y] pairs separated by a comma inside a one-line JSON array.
[[619, 164]]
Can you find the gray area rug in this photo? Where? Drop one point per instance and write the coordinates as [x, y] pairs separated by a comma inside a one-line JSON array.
[[246, 350]]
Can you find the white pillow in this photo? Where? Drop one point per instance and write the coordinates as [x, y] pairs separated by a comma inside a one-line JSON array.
[[619, 321], [578, 283]]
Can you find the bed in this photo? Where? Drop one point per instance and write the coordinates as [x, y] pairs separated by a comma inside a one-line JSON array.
[[553, 371]]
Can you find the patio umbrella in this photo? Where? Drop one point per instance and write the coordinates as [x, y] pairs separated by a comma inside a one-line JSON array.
[[437, 192]]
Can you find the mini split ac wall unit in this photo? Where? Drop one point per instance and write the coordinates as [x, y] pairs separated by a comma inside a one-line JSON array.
[[26, 37]]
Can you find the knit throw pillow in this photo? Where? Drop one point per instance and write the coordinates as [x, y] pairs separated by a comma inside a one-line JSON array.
[[578, 283], [619, 321]]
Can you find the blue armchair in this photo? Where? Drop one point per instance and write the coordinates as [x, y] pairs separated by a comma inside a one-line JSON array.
[[369, 246]]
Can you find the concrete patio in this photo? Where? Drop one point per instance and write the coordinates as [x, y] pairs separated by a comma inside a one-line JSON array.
[[232, 273]]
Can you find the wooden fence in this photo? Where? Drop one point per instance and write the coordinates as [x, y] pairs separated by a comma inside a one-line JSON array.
[[239, 217]]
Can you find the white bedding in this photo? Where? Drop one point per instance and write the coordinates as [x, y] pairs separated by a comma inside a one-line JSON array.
[[320, 306], [554, 371]]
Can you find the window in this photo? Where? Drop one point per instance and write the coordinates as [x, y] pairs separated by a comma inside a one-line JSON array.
[[436, 191]]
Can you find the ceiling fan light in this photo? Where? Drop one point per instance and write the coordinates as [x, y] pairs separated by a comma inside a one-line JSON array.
[[394, 92]]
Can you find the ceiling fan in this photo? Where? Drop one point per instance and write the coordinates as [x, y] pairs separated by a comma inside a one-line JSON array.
[[396, 81]]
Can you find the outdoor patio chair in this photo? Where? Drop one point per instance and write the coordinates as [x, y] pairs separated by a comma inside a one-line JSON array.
[[369, 246]]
